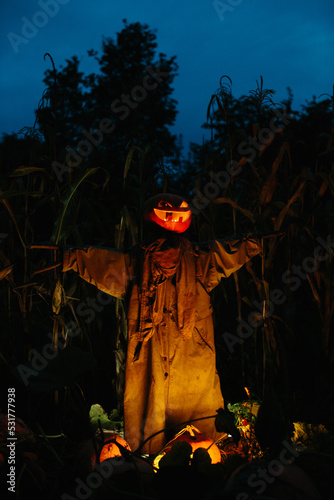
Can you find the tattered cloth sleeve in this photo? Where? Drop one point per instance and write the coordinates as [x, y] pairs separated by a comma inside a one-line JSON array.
[[108, 269], [220, 258]]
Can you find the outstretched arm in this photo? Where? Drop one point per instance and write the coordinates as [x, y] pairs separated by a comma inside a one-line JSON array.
[[221, 258], [108, 269]]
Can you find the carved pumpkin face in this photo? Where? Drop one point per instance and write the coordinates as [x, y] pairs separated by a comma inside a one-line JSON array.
[[169, 211]]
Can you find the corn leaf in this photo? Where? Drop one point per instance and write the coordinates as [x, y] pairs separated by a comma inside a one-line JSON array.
[[57, 232], [58, 296], [6, 270], [277, 225], [11, 213], [128, 160], [328, 179], [235, 205], [20, 171], [286, 208], [270, 184], [130, 225]]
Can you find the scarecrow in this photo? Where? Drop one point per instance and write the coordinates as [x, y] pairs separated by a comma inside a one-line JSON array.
[[171, 374]]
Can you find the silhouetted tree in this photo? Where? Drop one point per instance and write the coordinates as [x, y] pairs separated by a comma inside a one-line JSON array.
[[93, 119]]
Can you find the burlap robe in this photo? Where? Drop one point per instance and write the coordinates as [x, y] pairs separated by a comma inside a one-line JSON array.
[[171, 374], [161, 262]]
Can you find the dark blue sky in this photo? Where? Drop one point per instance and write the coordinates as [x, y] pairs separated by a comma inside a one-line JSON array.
[[290, 43]]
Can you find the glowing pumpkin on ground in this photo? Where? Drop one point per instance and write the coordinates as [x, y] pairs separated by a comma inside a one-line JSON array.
[[196, 440], [169, 211], [111, 449], [108, 446], [117, 461]]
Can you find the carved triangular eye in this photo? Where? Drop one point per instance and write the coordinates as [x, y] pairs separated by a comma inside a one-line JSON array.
[[184, 204]]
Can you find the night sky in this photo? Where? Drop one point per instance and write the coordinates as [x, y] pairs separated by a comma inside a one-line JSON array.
[[289, 43]]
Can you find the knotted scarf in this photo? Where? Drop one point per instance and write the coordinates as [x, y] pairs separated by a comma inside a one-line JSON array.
[[161, 261]]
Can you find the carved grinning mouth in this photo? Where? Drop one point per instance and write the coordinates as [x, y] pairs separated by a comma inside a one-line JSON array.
[[175, 216]]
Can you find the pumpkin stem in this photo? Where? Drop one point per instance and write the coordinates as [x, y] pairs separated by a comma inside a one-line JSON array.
[[191, 429], [224, 436]]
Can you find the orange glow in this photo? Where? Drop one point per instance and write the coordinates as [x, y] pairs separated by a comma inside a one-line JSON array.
[[168, 211], [196, 440], [111, 450]]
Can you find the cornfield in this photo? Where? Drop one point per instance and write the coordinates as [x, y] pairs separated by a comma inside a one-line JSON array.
[[273, 319]]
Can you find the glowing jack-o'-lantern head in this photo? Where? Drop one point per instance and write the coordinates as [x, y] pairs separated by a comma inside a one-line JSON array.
[[169, 211]]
